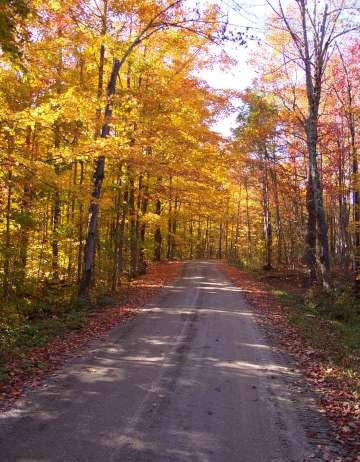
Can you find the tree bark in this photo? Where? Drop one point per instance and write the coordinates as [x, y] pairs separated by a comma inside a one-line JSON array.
[[89, 252], [313, 90], [7, 256], [25, 208], [267, 213], [237, 229], [310, 238], [144, 206], [248, 221], [133, 234], [169, 237], [219, 253], [56, 212], [157, 235], [116, 231]]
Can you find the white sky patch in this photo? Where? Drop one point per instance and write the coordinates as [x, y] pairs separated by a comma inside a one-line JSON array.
[[240, 76]]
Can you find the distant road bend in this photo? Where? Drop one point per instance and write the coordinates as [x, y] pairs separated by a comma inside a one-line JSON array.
[[191, 378]]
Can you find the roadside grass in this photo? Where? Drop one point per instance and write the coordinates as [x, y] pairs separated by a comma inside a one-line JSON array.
[[330, 322]]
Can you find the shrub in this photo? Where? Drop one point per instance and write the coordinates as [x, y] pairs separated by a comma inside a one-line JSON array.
[[338, 304]]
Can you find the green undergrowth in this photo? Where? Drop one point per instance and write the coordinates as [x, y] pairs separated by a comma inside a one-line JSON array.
[[28, 323], [243, 263], [330, 321]]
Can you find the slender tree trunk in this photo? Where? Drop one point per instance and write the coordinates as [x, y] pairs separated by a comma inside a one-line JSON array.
[[173, 252], [267, 214], [310, 239], [56, 212], [198, 240], [157, 235], [25, 208], [227, 233], [80, 230], [100, 87], [71, 219], [332, 236], [237, 229], [248, 222], [169, 239], [209, 247], [191, 242], [116, 234], [90, 246], [7, 253], [343, 245], [323, 237], [279, 230], [220, 240], [133, 234], [144, 206], [207, 239], [122, 232]]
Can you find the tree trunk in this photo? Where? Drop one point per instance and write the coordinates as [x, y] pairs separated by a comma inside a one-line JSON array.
[[7, 253], [116, 231], [173, 252], [122, 232], [56, 212], [191, 243], [248, 222], [89, 253], [133, 234], [310, 238], [169, 238], [80, 230], [267, 214], [25, 208], [322, 228], [207, 239], [219, 255], [144, 206], [237, 229], [313, 91], [279, 230], [157, 235]]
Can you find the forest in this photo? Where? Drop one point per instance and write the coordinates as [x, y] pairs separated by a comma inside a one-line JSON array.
[[110, 160], [114, 172]]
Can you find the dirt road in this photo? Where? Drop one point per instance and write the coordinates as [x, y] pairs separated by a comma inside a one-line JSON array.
[[191, 378]]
